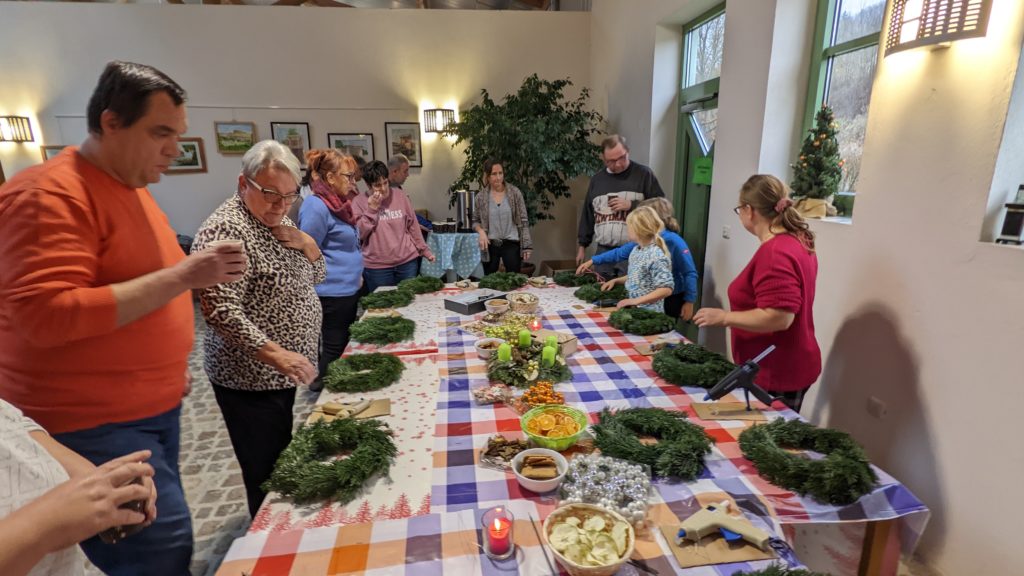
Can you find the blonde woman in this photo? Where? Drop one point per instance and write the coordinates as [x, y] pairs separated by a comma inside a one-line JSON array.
[[648, 279]]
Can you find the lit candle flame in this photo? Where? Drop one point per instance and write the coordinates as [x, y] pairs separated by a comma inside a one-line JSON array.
[[497, 525]]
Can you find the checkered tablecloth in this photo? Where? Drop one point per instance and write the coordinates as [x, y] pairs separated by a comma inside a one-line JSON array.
[[607, 372]]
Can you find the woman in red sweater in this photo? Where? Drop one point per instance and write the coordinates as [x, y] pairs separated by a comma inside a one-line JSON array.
[[772, 299]]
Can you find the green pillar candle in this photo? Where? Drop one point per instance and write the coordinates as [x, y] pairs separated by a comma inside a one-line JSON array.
[[504, 352], [525, 338], [548, 356], [551, 341]]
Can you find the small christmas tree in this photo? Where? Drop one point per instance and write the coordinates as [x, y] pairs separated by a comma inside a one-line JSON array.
[[818, 171]]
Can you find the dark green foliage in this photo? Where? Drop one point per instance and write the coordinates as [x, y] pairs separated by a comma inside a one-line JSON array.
[[679, 452], [363, 372], [691, 365], [421, 284], [816, 174], [543, 139], [503, 281], [303, 473], [780, 570], [382, 330], [841, 478], [592, 293], [525, 368], [641, 321], [570, 279], [387, 299]]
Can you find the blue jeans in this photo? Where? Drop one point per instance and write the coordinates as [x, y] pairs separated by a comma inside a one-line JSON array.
[[376, 277], [165, 547]]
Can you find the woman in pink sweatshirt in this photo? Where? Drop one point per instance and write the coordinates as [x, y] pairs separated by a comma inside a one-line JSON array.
[[388, 230]]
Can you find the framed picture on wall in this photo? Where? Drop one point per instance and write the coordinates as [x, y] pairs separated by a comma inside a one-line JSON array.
[[354, 144], [234, 137], [192, 158], [294, 135], [51, 151], [404, 138]]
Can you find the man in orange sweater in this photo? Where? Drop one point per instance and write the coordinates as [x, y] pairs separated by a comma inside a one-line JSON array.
[[96, 319]]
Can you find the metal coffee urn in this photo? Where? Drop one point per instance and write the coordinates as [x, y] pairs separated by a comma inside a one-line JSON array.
[[464, 209]]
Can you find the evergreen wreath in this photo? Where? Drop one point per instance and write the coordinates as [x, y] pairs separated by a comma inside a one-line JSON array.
[[572, 279], [776, 569], [302, 474], [841, 478], [681, 445], [641, 321], [382, 330], [593, 293], [421, 284], [503, 281], [691, 365], [363, 372], [387, 299], [524, 369]]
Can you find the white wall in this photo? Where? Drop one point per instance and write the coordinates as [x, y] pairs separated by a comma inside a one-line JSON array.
[[340, 70], [910, 308]]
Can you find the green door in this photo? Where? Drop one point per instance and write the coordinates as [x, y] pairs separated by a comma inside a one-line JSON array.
[[695, 143]]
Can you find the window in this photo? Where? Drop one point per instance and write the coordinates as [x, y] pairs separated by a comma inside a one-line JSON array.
[[702, 65], [846, 40]]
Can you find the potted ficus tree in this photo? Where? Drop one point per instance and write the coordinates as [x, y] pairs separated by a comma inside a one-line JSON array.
[[819, 169], [544, 139]]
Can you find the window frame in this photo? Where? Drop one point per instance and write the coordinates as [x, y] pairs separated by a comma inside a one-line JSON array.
[[821, 54]]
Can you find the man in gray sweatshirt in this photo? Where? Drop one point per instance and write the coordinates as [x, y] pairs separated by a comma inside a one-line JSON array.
[[613, 193]]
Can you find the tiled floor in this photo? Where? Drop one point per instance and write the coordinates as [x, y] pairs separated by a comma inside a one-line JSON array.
[[209, 471]]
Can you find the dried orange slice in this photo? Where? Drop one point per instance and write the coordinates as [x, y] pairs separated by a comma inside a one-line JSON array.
[[545, 421], [533, 427]]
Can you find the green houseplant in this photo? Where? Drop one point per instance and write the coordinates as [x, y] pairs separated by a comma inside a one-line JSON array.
[[543, 138], [819, 169]]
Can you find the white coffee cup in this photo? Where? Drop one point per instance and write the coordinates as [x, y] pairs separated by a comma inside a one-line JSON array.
[[238, 245]]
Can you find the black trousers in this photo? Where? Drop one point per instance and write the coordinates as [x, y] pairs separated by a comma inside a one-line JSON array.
[[260, 426], [509, 251], [674, 305], [339, 314], [794, 400]]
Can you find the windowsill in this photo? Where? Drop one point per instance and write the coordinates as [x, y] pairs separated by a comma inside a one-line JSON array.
[[846, 220], [1002, 246]]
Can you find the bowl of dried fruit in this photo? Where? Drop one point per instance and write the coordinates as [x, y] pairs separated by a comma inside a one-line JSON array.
[[539, 469], [496, 306], [524, 302], [554, 427], [485, 347], [588, 540]]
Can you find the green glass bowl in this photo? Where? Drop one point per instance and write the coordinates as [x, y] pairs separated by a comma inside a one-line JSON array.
[[556, 444]]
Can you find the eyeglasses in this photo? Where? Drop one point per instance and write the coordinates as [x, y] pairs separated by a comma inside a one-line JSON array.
[[351, 176], [737, 209], [614, 161], [273, 197]]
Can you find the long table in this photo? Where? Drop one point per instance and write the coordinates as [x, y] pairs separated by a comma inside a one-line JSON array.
[[406, 520]]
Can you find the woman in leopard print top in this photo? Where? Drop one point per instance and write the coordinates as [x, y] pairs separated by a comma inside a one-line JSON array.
[[263, 330]]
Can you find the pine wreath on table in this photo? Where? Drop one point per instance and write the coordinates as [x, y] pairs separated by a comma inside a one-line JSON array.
[[304, 473], [503, 281], [572, 279], [387, 299], [421, 284], [776, 569], [382, 330], [641, 321], [691, 365], [679, 452], [840, 478], [593, 293], [363, 372]]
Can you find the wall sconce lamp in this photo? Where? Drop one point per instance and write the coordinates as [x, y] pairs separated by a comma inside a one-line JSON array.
[[915, 23], [437, 119], [15, 129]]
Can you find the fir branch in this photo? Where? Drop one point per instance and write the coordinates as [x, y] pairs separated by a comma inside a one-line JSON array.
[[679, 452], [572, 279], [421, 284], [363, 372], [776, 569], [382, 330], [387, 299], [840, 478], [641, 321], [503, 281], [593, 293]]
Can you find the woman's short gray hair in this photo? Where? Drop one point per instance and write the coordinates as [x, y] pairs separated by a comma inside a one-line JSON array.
[[270, 154]]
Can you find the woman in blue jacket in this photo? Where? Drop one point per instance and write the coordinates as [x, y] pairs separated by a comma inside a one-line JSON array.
[[684, 272]]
